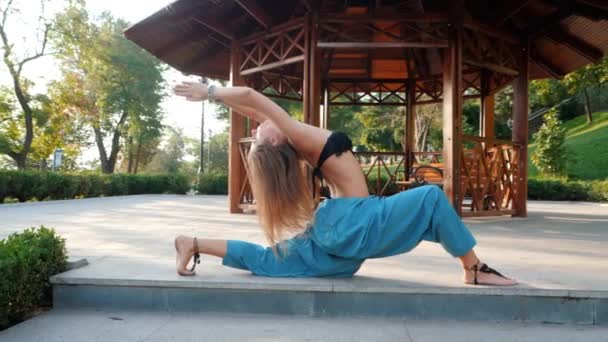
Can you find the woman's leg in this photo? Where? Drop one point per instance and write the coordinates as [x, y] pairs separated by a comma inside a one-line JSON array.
[[297, 257], [185, 249]]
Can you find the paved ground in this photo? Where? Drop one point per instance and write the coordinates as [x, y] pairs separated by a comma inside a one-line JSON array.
[[560, 246], [118, 326]]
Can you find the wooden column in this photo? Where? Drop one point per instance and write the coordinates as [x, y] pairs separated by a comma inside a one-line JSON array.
[[410, 121], [237, 131], [452, 107], [326, 104], [312, 73], [486, 119], [520, 131]]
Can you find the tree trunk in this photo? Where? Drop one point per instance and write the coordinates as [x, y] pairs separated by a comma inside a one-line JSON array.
[[103, 157], [116, 143], [138, 155], [588, 106], [130, 165], [20, 160]]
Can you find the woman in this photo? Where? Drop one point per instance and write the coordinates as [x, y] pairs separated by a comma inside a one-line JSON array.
[[334, 239]]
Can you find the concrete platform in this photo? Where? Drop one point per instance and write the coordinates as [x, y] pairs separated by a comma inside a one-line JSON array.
[[559, 253], [129, 326]]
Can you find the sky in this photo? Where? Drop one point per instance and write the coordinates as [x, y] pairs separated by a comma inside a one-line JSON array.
[[178, 112]]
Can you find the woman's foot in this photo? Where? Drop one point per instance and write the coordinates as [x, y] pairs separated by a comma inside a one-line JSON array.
[[481, 274], [185, 248]]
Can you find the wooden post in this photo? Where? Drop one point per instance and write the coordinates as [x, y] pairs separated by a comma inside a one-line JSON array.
[[312, 73], [520, 131], [326, 104], [237, 131], [452, 106], [409, 125], [486, 119]]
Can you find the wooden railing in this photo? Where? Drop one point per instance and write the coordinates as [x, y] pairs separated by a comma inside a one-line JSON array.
[[487, 181], [246, 200], [488, 177], [376, 164]]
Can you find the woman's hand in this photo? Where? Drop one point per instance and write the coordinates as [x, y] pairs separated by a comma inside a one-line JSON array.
[[192, 91]]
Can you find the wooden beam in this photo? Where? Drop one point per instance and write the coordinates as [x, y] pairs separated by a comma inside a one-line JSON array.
[[325, 122], [381, 45], [520, 132], [452, 106], [307, 4], [236, 169], [486, 122], [508, 10], [273, 65], [256, 11], [542, 25], [545, 65], [591, 11], [214, 25], [410, 120], [491, 66], [492, 31], [590, 52], [601, 4], [427, 18]]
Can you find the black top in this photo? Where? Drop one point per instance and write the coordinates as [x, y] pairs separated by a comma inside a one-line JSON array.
[[337, 143]]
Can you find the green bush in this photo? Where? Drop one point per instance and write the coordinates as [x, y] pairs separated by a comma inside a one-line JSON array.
[[27, 260], [213, 184], [550, 155], [558, 189], [34, 185]]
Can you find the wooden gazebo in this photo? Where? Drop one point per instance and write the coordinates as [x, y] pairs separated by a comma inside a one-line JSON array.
[[389, 53]]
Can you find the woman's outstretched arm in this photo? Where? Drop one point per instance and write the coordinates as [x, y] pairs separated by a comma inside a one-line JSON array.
[[255, 106]]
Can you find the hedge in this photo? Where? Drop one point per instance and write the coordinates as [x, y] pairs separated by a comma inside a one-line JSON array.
[[27, 260], [29, 185], [567, 190], [213, 184]]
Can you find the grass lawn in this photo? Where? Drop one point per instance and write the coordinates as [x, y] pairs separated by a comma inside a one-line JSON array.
[[588, 145]]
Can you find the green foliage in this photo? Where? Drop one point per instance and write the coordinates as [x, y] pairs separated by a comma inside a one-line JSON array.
[[561, 189], [587, 144], [27, 260], [109, 84], [550, 154], [213, 184], [33, 185], [382, 127]]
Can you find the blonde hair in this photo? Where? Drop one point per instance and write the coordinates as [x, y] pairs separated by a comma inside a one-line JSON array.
[[279, 183]]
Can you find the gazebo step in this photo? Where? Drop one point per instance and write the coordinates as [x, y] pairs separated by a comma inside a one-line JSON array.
[[134, 285]]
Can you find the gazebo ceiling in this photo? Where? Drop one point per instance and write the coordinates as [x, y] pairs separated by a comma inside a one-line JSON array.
[[195, 36]]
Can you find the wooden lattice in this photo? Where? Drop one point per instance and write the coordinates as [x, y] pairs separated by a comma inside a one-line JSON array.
[[488, 177], [281, 46], [366, 93]]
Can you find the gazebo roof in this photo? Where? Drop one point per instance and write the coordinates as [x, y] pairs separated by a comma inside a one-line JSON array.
[[195, 36]]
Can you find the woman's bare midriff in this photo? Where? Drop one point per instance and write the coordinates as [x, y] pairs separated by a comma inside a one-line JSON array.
[[344, 176]]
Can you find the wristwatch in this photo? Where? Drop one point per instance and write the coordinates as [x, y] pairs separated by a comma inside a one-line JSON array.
[[211, 94]]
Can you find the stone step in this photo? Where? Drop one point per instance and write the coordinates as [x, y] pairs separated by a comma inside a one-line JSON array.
[[149, 284]]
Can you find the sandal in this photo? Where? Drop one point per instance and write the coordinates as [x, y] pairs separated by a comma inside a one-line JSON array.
[[197, 257], [484, 268]]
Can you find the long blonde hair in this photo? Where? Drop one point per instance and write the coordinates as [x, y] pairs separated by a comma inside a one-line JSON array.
[[284, 200]]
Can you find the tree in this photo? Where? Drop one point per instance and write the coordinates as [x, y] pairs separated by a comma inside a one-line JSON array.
[[592, 75], [550, 155], [169, 157], [115, 86], [21, 131], [427, 117], [383, 127]]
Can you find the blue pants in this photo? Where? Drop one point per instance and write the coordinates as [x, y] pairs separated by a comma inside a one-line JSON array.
[[346, 231]]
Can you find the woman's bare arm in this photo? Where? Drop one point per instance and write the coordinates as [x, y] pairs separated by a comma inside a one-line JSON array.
[[257, 107]]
